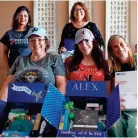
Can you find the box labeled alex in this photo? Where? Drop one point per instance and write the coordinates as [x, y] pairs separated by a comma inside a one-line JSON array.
[[88, 112]]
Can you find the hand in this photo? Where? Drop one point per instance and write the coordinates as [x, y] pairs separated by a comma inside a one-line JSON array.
[[62, 49], [121, 104]]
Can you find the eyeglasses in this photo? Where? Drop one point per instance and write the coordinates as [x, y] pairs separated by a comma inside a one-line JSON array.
[[39, 40], [79, 9]]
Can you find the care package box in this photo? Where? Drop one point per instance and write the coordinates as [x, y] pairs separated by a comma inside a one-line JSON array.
[[88, 112], [30, 110]]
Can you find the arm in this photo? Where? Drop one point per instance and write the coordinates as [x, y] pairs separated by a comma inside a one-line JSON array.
[[5, 56], [61, 45], [4, 90], [61, 84], [59, 72]]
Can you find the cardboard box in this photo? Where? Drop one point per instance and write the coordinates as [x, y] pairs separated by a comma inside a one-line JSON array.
[[92, 92], [33, 97]]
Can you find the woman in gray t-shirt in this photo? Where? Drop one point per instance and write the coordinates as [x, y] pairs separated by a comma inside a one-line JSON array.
[[39, 66]]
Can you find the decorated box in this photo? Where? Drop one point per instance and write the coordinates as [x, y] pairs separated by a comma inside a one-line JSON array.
[[89, 105], [44, 109]]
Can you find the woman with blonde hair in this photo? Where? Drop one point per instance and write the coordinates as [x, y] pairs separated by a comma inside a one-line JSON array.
[[121, 59], [117, 60]]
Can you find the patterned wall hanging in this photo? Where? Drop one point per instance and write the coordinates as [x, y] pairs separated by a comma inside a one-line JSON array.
[[45, 16], [117, 19]]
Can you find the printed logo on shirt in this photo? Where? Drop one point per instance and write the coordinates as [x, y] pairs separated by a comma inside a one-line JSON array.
[[12, 42], [18, 41], [88, 77], [31, 76], [35, 74]]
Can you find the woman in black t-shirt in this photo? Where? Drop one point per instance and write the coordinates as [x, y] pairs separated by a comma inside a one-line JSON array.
[[15, 41], [79, 17]]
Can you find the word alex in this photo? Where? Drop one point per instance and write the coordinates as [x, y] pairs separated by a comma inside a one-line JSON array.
[[89, 86]]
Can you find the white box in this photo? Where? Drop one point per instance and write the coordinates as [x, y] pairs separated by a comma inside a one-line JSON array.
[[128, 88]]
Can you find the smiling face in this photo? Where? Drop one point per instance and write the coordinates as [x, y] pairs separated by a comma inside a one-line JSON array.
[[37, 44], [85, 46], [79, 13], [120, 49], [23, 18]]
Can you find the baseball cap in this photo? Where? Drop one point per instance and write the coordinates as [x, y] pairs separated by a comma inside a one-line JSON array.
[[82, 34], [37, 31]]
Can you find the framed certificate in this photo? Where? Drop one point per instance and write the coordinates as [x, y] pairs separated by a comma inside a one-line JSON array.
[[128, 88]]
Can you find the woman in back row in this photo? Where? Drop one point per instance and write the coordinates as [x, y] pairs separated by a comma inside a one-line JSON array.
[[80, 18], [15, 41]]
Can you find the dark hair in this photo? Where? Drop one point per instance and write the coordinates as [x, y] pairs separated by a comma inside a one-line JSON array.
[[87, 16], [97, 56], [15, 17]]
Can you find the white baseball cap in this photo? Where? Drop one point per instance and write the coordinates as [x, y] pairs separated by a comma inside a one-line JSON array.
[[37, 31], [82, 34]]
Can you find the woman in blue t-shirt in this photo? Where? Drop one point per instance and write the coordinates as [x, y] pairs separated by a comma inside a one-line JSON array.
[[15, 41]]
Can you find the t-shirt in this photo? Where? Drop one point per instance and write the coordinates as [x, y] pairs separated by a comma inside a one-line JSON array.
[[69, 32], [17, 42], [43, 71], [125, 67], [87, 73]]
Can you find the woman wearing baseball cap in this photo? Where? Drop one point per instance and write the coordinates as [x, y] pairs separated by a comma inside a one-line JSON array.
[[88, 62], [39, 66]]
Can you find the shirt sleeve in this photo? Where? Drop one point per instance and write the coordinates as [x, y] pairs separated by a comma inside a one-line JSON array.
[[4, 39], [63, 36], [58, 67], [97, 35], [13, 68]]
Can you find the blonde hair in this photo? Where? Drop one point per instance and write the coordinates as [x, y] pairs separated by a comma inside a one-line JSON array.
[[114, 63]]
